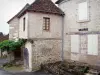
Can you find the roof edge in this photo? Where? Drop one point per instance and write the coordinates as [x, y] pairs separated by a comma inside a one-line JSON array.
[[47, 12], [11, 19]]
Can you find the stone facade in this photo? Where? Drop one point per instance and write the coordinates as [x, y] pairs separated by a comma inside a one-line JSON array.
[[14, 29], [23, 34], [70, 8], [34, 26], [46, 46], [72, 26], [42, 46], [43, 52], [83, 48]]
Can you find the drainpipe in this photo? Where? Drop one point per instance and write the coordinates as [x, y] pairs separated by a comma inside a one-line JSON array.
[[62, 37]]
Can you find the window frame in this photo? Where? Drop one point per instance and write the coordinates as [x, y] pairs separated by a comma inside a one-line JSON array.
[[88, 13], [46, 23]]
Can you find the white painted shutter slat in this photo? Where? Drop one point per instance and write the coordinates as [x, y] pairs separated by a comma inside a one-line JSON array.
[[93, 44]]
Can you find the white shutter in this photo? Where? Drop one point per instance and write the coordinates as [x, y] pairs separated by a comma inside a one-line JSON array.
[[82, 11], [75, 43], [93, 44]]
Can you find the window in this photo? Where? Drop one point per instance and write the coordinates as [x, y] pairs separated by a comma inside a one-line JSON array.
[[46, 24], [75, 43], [83, 12], [24, 24], [93, 44]]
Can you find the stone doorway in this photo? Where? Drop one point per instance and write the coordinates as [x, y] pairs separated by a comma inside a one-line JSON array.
[[26, 58]]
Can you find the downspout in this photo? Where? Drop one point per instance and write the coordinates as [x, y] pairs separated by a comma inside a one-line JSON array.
[[62, 37]]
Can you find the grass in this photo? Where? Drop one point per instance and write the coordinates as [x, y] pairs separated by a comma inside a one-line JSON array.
[[13, 68], [3, 57]]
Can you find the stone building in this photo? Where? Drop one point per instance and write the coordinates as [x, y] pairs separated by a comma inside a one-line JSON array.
[[41, 24], [70, 32], [81, 35]]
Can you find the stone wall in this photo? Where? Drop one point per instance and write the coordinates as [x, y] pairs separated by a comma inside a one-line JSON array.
[[70, 8], [67, 47], [83, 55], [13, 29], [45, 51], [23, 33], [83, 48], [72, 26], [95, 59], [35, 25]]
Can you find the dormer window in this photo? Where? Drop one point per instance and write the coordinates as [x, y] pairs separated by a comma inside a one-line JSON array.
[[83, 12], [24, 20], [46, 23]]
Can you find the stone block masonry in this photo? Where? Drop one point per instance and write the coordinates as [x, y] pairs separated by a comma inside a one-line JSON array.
[[45, 51]]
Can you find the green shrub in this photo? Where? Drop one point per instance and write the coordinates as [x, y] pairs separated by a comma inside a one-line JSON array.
[[9, 45]]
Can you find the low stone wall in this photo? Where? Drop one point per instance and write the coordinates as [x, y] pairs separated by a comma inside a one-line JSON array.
[[45, 51]]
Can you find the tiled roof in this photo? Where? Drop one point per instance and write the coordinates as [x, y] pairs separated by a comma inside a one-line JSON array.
[[58, 1], [23, 10], [45, 6], [42, 6]]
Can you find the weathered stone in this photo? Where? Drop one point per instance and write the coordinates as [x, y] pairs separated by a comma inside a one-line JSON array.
[[46, 51]]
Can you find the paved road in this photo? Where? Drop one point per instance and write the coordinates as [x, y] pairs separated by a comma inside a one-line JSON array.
[[2, 72], [33, 73], [3, 60]]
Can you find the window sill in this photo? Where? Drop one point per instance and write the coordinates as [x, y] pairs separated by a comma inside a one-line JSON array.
[[83, 21], [46, 30]]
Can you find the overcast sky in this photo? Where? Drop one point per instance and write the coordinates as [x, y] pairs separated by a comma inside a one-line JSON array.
[[8, 8]]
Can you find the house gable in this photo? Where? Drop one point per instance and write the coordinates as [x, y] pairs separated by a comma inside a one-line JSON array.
[[41, 6]]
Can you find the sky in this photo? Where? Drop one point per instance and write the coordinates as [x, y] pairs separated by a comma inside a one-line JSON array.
[[9, 8]]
